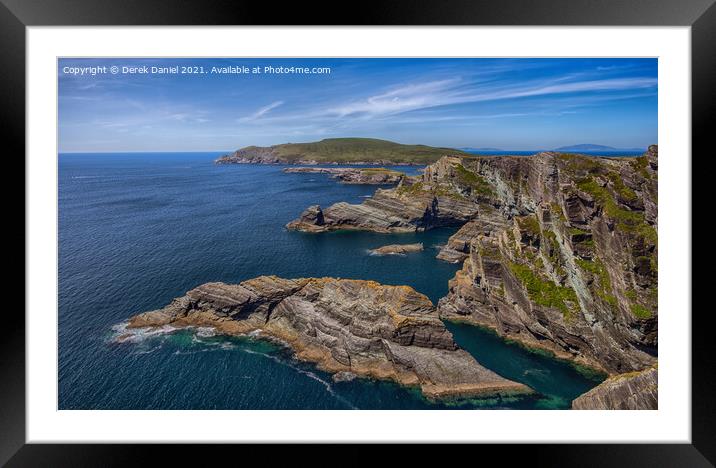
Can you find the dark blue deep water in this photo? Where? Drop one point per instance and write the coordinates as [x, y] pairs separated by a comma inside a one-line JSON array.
[[136, 230]]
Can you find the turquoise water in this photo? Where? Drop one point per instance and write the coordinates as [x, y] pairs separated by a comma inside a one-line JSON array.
[[137, 230]]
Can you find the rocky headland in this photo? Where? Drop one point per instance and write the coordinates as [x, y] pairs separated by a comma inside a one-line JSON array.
[[397, 249], [346, 327], [559, 251], [365, 176], [631, 391], [357, 151]]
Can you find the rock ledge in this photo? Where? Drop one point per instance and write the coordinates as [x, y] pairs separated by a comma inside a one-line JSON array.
[[344, 326]]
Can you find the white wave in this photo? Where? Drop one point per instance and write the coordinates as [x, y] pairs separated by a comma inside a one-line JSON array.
[[147, 350], [309, 374], [206, 332], [122, 334]]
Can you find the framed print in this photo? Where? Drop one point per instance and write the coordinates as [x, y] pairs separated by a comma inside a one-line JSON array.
[[241, 233]]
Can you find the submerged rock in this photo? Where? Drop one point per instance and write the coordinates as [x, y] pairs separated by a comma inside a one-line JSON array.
[[344, 376], [355, 326], [397, 249], [632, 391]]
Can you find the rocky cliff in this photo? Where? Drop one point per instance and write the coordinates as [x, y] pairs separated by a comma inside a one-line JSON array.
[[366, 176], [416, 204], [632, 391], [344, 326], [559, 251]]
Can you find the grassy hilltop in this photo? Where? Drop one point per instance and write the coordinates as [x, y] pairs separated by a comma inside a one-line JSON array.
[[341, 150]]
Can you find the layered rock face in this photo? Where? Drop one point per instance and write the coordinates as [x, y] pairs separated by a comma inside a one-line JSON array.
[[633, 391], [344, 326], [416, 204], [575, 271], [365, 176], [559, 251], [457, 248]]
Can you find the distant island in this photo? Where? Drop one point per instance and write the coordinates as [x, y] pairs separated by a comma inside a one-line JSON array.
[[592, 147], [480, 149], [367, 151]]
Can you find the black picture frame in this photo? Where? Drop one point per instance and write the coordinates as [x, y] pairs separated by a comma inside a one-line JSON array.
[[16, 15]]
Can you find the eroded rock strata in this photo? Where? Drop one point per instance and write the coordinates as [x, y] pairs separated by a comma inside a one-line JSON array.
[[366, 176], [559, 251], [633, 391], [351, 327]]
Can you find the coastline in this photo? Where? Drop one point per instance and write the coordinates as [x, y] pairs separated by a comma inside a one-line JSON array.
[[393, 333]]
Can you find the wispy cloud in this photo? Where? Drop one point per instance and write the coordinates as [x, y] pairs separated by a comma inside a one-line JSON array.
[[261, 112], [402, 99], [430, 94], [429, 101]]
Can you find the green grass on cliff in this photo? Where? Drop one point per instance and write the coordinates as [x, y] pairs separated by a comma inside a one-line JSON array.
[[476, 182], [604, 287], [544, 292], [640, 311], [380, 170], [628, 221], [528, 223], [351, 150]]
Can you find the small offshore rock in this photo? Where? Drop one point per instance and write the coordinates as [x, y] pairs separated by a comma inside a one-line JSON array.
[[397, 249]]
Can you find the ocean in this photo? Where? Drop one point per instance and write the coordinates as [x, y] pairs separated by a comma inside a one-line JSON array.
[[139, 229]]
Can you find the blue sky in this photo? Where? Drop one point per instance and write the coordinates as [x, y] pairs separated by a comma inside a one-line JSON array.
[[514, 104]]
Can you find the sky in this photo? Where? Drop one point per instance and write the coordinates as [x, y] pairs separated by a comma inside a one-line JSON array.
[[510, 104]]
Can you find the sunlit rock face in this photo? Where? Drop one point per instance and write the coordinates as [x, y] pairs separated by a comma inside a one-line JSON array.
[[344, 326]]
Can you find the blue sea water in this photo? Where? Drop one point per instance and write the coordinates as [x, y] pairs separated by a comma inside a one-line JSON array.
[[136, 230]]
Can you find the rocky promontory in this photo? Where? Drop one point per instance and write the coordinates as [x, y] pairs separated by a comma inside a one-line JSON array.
[[356, 151], [416, 204], [365, 176], [397, 249], [559, 251], [351, 327], [632, 391]]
